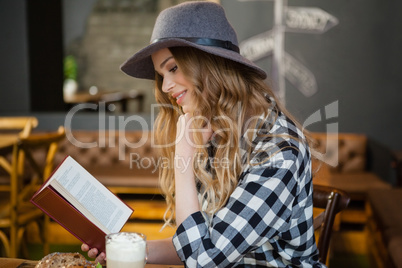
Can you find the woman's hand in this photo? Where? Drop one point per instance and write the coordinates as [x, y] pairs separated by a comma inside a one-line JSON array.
[[185, 186], [93, 253], [185, 145]]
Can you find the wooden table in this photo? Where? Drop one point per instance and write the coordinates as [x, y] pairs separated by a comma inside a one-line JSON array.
[[122, 97], [21, 263]]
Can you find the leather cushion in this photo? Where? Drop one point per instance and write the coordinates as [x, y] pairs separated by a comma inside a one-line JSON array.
[[343, 152]]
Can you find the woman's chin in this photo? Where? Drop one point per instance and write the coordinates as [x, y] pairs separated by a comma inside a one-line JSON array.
[[186, 109]]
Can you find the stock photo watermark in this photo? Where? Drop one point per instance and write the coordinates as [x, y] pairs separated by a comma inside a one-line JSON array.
[[112, 126]]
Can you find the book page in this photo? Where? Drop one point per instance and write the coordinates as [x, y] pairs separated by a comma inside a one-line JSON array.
[[90, 197]]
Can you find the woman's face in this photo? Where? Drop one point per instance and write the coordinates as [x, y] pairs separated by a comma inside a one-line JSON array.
[[174, 82]]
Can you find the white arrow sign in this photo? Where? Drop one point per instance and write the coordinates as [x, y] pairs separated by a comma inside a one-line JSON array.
[[291, 19], [308, 20], [258, 46], [300, 76]]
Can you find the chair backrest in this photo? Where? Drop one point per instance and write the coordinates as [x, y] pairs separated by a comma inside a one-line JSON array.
[[332, 201], [23, 183], [40, 168], [34, 154], [12, 129], [23, 124]]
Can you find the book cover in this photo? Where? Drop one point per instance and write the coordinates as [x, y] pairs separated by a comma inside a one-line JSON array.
[[81, 204]]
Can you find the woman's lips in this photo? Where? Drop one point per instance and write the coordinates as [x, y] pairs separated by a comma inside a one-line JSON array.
[[179, 97]]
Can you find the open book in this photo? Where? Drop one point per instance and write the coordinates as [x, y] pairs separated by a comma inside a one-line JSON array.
[[81, 204]]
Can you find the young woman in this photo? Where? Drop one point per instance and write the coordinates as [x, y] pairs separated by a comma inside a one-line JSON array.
[[238, 183]]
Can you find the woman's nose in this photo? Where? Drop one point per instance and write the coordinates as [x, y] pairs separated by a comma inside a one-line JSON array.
[[167, 84]]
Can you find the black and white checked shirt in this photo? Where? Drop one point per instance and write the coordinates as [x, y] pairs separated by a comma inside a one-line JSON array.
[[268, 219]]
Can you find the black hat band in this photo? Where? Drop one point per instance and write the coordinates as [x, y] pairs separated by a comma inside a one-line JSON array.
[[206, 42]]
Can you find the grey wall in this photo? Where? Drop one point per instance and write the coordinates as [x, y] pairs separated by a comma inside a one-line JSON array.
[[74, 25], [357, 63], [14, 89]]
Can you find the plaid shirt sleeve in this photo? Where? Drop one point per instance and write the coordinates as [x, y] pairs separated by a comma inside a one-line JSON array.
[[267, 221]]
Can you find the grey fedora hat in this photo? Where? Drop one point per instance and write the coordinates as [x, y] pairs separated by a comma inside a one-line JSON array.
[[199, 24]]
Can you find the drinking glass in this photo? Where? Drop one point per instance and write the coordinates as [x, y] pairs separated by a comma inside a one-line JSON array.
[[124, 250]]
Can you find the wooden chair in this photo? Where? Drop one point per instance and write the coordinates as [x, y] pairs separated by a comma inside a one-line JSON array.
[[18, 211], [332, 201], [18, 123], [12, 129]]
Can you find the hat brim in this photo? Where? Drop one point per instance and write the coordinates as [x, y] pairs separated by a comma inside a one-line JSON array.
[[140, 65]]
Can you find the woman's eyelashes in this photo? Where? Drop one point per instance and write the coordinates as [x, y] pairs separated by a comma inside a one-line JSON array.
[[173, 69], [169, 69]]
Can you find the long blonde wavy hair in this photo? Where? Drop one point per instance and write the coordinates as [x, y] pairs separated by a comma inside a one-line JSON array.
[[227, 94]]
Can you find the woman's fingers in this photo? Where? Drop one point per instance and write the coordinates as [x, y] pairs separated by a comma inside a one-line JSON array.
[[84, 247], [101, 258], [93, 253]]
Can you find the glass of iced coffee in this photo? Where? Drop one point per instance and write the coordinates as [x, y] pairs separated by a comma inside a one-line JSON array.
[[125, 250]]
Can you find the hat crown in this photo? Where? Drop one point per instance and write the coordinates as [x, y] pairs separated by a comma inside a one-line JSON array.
[[194, 20], [199, 24]]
